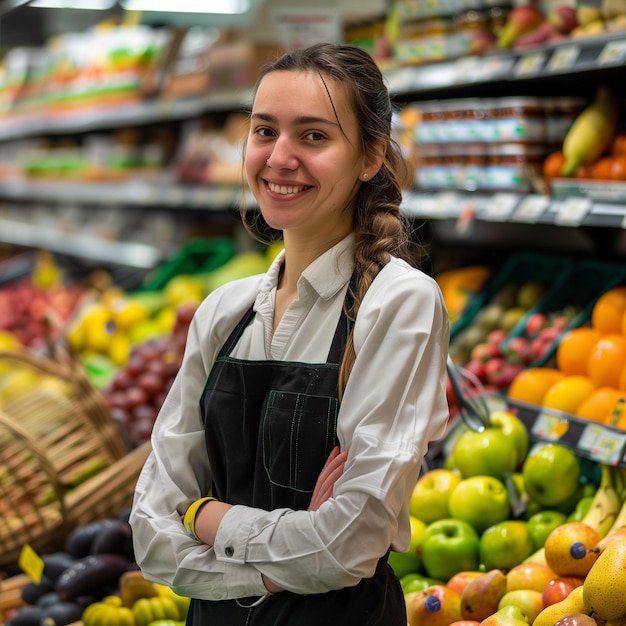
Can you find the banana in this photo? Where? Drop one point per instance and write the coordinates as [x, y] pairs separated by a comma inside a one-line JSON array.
[[606, 503], [591, 132]]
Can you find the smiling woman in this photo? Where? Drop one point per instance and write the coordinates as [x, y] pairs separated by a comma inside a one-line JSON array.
[[285, 456]]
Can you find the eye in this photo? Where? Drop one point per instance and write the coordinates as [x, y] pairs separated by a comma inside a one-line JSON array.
[[315, 136], [264, 131]]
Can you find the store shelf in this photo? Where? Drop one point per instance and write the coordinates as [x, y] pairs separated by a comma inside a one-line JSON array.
[[146, 193], [81, 245], [568, 59], [589, 440], [18, 125], [521, 208]]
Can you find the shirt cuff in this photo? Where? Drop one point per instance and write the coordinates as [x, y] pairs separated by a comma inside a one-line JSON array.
[[231, 539]]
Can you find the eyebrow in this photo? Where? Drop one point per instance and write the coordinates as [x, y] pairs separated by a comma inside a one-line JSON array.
[[306, 119]]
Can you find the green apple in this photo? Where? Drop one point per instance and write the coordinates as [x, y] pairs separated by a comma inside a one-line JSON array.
[[417, 582], [505, 545], [542, 523], [429, 500], [513, 427], [449, 546], [409, 562], [529, 601], [481, 501], [551, 474], [509, 615], [489, 452], [581, 509]]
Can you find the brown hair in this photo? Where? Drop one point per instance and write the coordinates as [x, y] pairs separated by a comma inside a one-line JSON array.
[[381, 231]]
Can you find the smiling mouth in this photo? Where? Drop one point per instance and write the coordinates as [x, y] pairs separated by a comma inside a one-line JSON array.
[[286, 189]]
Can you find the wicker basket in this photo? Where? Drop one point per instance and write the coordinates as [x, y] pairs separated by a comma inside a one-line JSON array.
[[63, 460]]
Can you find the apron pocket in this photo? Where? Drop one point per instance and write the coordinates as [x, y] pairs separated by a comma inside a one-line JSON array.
[[298, 431]]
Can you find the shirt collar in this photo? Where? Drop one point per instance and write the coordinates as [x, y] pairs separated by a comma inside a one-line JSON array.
[[327, 275]]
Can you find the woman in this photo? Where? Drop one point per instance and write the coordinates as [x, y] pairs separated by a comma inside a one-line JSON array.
[[308, 395]]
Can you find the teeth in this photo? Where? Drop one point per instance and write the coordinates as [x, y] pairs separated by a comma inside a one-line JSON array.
[[284, 189]]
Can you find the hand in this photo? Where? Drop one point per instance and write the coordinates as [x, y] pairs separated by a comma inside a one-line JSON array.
[[331, 471]]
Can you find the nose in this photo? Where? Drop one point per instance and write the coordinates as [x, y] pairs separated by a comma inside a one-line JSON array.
[[283, 154]]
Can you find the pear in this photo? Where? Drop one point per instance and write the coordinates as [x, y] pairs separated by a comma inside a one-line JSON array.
[[604, 589], [480, 597], [570, 605], [507, 616]]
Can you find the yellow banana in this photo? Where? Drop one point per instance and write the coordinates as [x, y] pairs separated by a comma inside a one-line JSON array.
[[591, 132], [606, 503]]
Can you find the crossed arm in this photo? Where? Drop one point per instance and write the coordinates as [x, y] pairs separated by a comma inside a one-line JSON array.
[[211, 513]]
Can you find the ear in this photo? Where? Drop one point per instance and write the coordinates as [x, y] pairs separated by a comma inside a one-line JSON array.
[[374, 157]]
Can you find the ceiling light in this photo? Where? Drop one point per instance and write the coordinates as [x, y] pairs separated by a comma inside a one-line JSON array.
[[228, 7], [94, 5]]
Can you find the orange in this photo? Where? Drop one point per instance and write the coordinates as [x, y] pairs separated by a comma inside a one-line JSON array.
[[622, 380], [531, 384], [607, 312], [572, 353], [600, 404], [568, 393], [607, 360]]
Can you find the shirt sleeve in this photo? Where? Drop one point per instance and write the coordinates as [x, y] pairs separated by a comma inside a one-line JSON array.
[[177, 472], [393, 406]]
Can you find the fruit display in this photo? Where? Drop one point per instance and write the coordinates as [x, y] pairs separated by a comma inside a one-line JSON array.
[[138, 389], [94, 581], [588, 378], [479, 560]]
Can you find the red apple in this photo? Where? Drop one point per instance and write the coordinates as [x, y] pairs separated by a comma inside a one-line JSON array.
[[518, 351], [535, 323], [535, 576], [460, 580], [559, 588], [493, 370]]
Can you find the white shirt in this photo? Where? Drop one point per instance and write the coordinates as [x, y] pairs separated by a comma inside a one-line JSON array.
[[394, 404]]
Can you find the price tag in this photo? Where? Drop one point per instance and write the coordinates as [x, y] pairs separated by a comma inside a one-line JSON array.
[[573, 211], [549, 426], [613, 53], [531, 208], [501, 206], [31, 563], [466, 67], [563, 58], [530, 64], [602, 444]]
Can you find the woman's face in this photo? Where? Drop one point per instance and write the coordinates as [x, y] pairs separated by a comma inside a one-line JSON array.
[[313, 151]]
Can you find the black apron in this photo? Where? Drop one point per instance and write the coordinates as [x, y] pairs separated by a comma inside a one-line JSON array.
[[270, 426]]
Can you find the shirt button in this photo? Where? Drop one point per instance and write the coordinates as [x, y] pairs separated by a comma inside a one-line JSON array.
[[229, 551]]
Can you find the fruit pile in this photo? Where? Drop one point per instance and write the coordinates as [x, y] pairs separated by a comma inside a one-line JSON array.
[[504, 337], [506, 535], [138, 389], [96, 581], [589, 380], [594, 147]]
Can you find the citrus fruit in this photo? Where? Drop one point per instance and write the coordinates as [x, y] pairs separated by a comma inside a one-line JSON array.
[[572, 353], [607, 312], [568, 393], [622, 380], [600, 404], [607, 360], [531, 384]]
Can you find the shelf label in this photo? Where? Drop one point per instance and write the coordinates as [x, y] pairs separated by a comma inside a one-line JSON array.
[[573, 211], [530, 64], [550, 427], [613, 53], [501, 207], [602, 444], [531, 208], [563, 58]]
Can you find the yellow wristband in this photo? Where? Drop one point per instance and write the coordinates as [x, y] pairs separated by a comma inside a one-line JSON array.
[[189, 521]]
